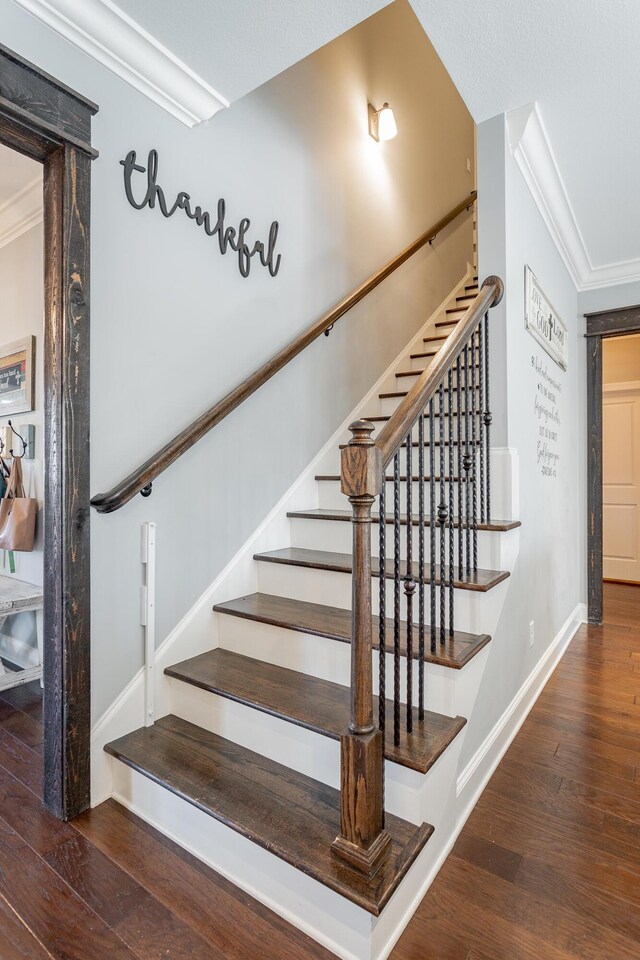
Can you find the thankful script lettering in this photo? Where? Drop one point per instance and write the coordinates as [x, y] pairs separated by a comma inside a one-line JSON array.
[[228, 237]]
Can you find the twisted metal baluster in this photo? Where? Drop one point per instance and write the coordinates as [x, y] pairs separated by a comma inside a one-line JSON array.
[[442, 515], [459, 408], [421, 570], [466, 463], [481, 420], [487, 413], [409, 585], [396, 599], [382, 623], [432, 524], [474, 452], [450, 523]]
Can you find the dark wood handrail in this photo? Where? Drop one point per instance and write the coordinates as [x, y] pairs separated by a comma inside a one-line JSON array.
[[141, 479], [401, 421]]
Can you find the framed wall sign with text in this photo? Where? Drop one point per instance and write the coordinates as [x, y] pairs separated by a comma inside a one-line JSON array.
[[542, 321]]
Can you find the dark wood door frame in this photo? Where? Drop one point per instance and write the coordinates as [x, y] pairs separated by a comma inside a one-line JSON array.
[[48, 122], [607, 323]]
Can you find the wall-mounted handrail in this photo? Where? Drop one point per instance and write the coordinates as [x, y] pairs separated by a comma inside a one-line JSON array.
[[140, 480]]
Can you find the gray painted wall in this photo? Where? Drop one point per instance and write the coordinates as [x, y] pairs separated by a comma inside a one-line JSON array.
[[549, 578], [175, 326]]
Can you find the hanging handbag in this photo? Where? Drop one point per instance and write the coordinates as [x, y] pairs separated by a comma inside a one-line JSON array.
[[17, 513]]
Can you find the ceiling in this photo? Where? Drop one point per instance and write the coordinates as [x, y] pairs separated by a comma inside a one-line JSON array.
[[578, 59]]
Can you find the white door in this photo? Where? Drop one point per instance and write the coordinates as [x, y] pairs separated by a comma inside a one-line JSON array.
[[621, 481]]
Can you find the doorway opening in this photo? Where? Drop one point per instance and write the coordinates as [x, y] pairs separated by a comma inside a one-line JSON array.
[[21, 422], [613, 424], [44, 121]]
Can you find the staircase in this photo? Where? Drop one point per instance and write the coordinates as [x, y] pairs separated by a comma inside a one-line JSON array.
[[250, 746]]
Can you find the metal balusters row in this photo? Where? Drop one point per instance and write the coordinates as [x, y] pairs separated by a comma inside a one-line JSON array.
[[455, 430]]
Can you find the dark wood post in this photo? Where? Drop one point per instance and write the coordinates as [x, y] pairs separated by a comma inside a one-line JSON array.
[[363, 842]]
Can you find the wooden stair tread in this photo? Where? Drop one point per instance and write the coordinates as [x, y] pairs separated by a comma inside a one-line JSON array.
[[480, 581], [335, 624], [289, 814], [320, 513], [431, 339], [416, 373], [394, 394], [314, 704], [324, 477]]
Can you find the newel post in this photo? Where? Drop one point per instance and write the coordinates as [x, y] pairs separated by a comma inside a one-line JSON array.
[[363, 842]]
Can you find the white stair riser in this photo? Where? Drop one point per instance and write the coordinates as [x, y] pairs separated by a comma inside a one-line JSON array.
[[336, 536], [330, 496], [293, 746], [330, 660], [475, 612], [388, 405]]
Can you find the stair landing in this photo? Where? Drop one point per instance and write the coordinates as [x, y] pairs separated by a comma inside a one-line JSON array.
[[285, 812]]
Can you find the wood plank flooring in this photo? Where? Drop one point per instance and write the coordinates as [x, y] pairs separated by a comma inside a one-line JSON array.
[[547, 867]]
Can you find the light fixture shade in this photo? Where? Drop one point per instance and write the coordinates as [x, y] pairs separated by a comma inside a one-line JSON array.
[[387, 128]]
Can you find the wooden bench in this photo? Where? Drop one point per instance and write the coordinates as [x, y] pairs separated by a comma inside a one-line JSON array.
[[17, 596]]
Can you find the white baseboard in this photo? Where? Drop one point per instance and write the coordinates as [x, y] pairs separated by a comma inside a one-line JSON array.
[[505, 729]]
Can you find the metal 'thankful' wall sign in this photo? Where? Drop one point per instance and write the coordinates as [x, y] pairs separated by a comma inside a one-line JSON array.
[[228, 237]]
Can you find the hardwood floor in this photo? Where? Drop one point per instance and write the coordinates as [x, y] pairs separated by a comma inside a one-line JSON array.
[[547, 867]]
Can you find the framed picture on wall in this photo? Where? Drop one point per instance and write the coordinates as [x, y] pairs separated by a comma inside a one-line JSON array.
[[17, 384]]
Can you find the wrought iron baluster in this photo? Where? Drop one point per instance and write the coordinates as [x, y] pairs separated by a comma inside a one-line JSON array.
[[396, 599], [432, 524], [466, 463], [487, 413], [459, 408], [382, 623], [450, 521], [409, 585], [474, 453], [442, 515], [481, 420], [421, 570]]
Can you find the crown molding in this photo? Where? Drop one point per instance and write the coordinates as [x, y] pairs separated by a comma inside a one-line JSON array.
[[532, 151], [22, 212], [106, 34]]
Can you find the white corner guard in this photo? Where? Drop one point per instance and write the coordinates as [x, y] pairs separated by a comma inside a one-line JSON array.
[[106, 34]]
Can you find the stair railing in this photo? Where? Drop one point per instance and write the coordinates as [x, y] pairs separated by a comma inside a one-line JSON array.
[[455, 386], [142, 478]]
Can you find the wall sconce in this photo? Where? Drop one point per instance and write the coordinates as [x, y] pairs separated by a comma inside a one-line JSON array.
[[382, 123]]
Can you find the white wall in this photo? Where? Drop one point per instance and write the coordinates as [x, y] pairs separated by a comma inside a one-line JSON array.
[[175, 326], [609, 298], [549, 577]]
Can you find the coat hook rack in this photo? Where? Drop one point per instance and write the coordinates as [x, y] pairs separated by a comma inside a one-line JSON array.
[[20, 438]]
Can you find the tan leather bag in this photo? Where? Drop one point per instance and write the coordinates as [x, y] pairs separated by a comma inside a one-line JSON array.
[[17, 513]]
